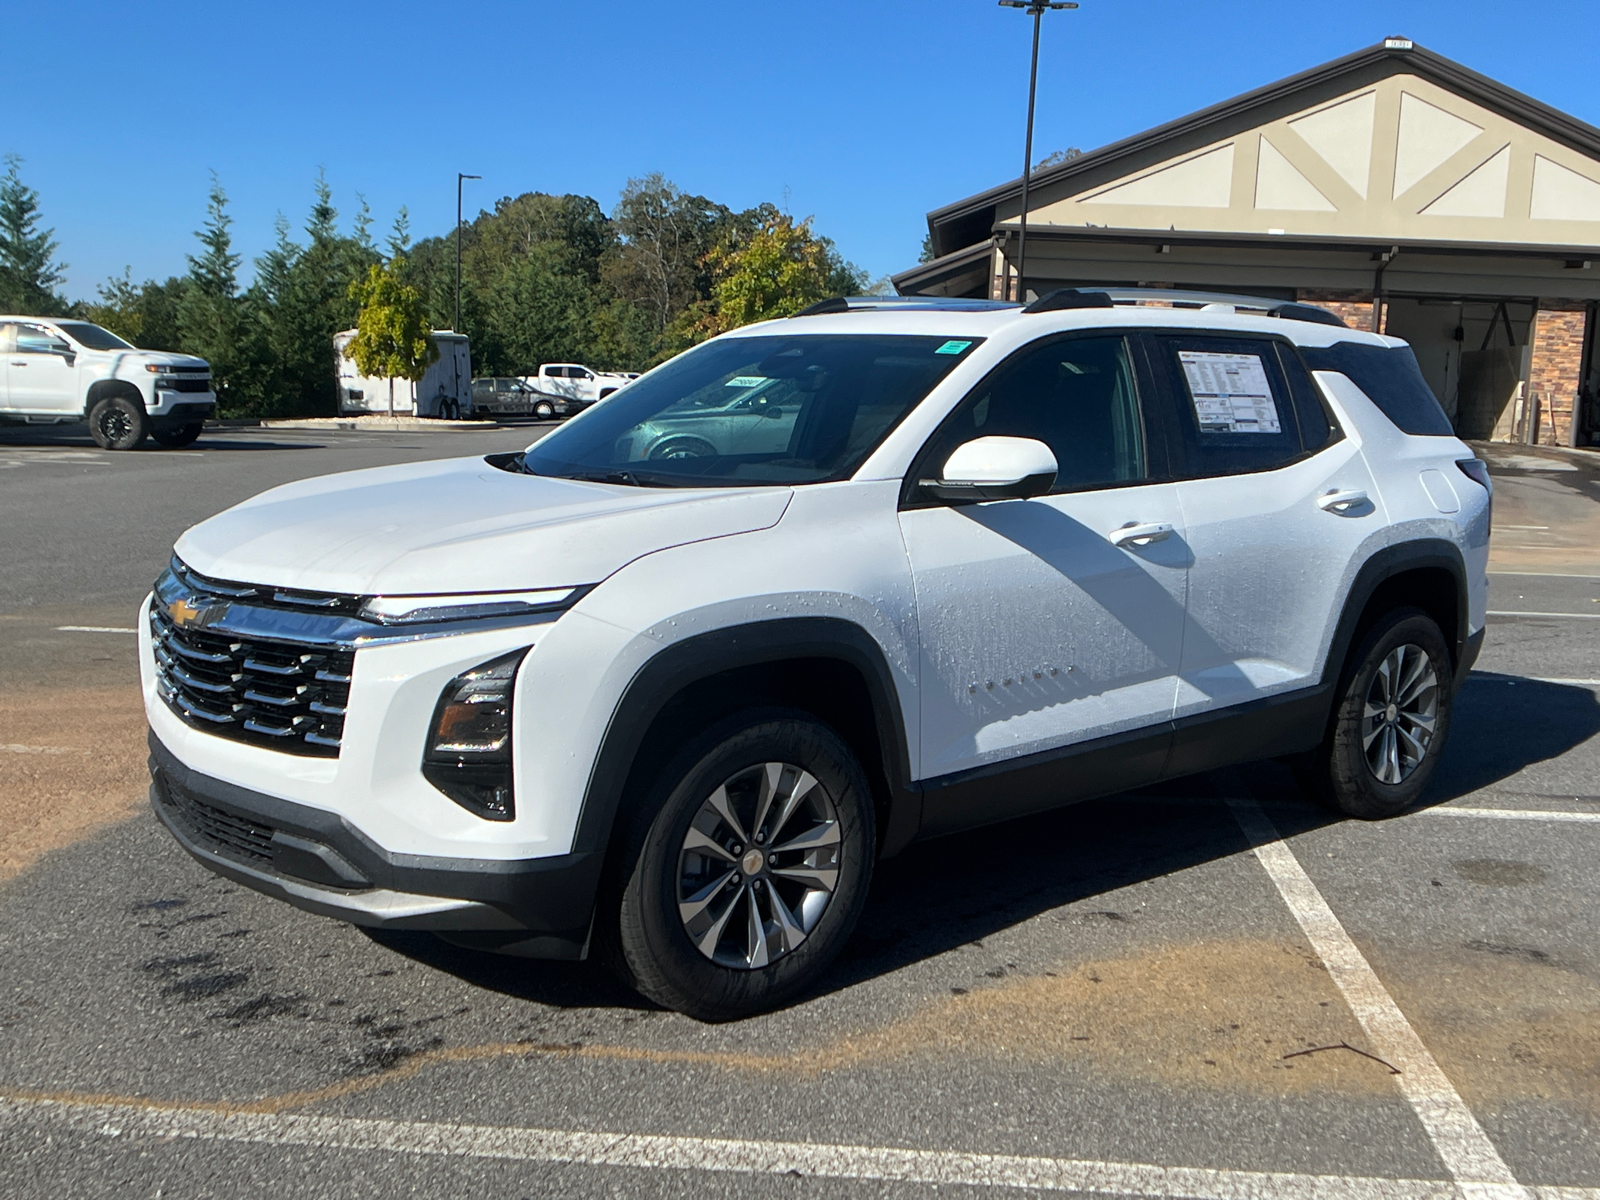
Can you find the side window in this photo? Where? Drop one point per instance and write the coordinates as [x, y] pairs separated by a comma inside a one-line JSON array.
[[482, 387], [1077, 395], [1317, 427], [36, 339], [1231, 410]]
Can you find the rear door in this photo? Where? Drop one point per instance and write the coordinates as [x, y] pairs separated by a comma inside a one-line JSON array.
[[1276, 506], [1039, 631]]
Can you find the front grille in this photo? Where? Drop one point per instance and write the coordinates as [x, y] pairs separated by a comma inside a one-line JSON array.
[[235, 837], [265, 596], [282, 695], [186, 385]]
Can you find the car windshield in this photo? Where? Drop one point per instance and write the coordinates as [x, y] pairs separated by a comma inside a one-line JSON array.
[[92, 336], [743, 411]]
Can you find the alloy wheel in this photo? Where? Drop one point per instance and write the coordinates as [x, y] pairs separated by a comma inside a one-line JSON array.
[[115, 424], [1400, 714], [759, 865]]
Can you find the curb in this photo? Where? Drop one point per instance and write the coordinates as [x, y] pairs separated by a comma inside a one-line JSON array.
[[380, 424]]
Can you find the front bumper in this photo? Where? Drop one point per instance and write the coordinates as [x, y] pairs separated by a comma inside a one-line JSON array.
[[315, 860], [182, 408]]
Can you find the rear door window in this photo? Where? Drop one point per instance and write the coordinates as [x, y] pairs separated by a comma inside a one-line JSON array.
[[1229, 407]]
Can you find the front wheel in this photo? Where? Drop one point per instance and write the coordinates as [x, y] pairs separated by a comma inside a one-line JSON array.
[[740, 889], [177, 436], [118, 423], [1392, 720]]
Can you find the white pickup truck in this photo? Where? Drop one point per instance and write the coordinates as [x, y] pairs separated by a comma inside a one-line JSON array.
[[577, 384], [57, 371]]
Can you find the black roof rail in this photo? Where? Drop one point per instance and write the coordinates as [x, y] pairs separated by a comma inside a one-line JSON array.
[[1070, 298], [841, 304], [1288, 310]]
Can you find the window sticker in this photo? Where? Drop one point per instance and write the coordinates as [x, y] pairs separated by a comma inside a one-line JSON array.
[[952, 347], [1230, 392], [745, 381]]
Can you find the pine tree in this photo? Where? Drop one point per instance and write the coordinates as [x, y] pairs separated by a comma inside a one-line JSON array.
[[29, 273], [209, 314]]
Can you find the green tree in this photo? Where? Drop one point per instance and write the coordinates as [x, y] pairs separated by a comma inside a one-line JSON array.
[[780, 269], [29, 272], [210, 315], [392, 340]]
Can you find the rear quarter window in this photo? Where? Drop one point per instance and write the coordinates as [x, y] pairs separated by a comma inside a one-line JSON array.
[[1390, 378]]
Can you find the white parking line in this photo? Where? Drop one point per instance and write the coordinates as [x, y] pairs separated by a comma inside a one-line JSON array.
[[14, 748], [1545, 574], [656, 1152], [1464, 1147], [94, 629], [1563, 616], [1511, 814], [1480, 677]]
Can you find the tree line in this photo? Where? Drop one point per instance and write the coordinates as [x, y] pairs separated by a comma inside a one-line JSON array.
[[544, 278]]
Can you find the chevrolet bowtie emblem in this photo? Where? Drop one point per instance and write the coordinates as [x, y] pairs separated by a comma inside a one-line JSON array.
[[183, 612]]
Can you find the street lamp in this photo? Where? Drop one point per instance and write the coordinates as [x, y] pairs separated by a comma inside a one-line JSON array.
[[1035, 9], [459, 178]]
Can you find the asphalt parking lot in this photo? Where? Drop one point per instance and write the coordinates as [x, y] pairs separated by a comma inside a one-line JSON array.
[[1210, 989]]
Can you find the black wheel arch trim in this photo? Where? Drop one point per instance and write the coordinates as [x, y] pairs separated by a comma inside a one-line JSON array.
[[1385, 564], [702, 656], [102, 388]]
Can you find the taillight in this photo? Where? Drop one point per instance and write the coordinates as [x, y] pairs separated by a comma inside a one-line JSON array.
[[1476, 470], [469, 741]]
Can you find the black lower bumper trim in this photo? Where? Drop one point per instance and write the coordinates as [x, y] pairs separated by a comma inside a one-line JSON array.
[[318, 861]]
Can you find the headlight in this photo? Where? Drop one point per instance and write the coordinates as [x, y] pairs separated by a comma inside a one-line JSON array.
[[408, 610], [469, 741]]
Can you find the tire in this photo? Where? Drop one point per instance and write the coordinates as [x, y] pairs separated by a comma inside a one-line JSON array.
[[177, 436], [118, 423], [679, 922], [1391, 721], [544, 411]]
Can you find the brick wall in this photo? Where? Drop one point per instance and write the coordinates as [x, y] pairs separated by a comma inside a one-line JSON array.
[[1353, 308], [1557, 360]]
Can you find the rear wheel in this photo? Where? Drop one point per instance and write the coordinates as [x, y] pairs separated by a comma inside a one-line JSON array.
[[118, 423], [176, 436], [742, 884], [1392, 720]]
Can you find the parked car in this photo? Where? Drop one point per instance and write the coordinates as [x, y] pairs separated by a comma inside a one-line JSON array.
[[55, 371], [673, 709], [577, 383], [509, 396]]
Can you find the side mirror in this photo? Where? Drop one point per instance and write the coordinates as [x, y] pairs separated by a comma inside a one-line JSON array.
[[995, 468]]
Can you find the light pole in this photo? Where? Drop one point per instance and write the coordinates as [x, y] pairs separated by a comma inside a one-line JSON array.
[[1035, 9], [459, 178]]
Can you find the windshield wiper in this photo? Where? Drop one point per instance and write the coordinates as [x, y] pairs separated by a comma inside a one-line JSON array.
[[629, 478]]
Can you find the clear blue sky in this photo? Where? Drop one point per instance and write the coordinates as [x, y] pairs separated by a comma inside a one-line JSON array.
[[863, 113]]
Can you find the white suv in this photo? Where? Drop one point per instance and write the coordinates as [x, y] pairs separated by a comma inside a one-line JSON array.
[[54, 371], [976, 561]]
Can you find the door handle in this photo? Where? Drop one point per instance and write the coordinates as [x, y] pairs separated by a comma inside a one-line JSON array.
[[1140, 535], [15, 363], [1341, 502]]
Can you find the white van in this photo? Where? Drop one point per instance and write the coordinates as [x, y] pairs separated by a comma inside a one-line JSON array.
[[444, 391]]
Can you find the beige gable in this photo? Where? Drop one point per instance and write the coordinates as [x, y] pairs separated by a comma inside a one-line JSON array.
[[1401, 158]]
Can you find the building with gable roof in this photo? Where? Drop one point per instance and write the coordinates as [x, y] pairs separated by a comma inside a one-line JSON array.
[[1396, 187]]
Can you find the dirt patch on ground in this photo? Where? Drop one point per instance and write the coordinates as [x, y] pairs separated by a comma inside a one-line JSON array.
[[71, 761]]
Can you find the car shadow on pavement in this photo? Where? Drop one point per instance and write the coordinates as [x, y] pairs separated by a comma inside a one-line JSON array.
[[1503, 724], [958, 890]]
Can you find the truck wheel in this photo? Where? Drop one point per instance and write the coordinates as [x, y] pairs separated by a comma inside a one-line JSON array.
[[544, 410], [741, 885], [118, 423], [1392, 719], [176, 436]]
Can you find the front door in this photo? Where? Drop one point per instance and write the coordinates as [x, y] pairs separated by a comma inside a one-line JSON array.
[[1277, 505], [42, 371], [1043, 624]]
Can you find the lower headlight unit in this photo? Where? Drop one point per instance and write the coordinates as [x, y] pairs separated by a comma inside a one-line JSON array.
[[469, 741]]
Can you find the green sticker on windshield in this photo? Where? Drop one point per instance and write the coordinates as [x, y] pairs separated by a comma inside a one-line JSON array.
[[745, 381], [952, 347]]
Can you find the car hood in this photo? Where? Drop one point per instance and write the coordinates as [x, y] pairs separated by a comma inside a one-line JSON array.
[[459, 525], [159, 357]]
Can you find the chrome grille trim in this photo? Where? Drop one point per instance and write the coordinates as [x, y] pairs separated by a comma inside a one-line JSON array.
[[288, 696]]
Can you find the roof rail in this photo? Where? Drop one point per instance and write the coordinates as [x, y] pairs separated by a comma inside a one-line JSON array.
[[841, 304], [1288, 310]]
